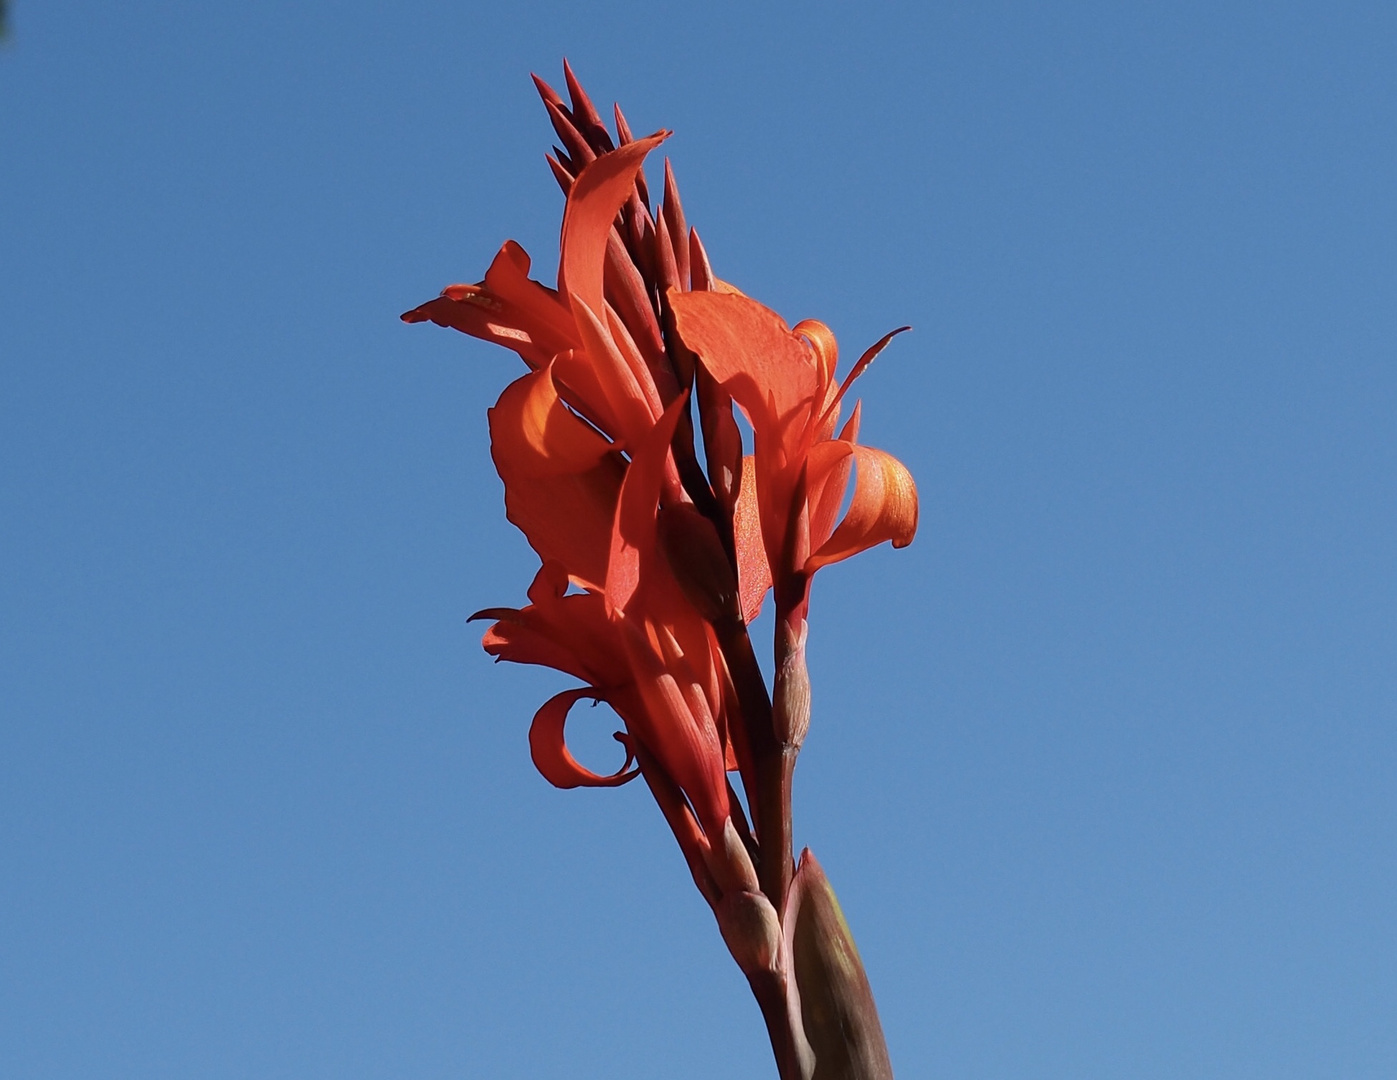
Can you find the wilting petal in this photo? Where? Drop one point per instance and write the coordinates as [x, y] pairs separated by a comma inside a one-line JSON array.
[[561, 479], [549, 747], [884, 507]]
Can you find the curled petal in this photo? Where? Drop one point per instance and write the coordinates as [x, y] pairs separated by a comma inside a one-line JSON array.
[[596, 197], [550, 751], [884, 507]]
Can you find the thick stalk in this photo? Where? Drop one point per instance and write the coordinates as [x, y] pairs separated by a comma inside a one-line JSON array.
[[794, 1058]]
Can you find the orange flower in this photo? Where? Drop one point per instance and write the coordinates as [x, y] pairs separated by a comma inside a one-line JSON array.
[[783, 379], [652, 567], [583, 445]]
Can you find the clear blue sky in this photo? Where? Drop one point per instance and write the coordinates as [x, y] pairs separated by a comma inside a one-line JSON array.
[[1102, 766]]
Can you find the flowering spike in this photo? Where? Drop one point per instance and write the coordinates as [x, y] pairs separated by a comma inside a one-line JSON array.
[[623, 132], [623, 129], [547, 93], [651, 570], [666, 266]]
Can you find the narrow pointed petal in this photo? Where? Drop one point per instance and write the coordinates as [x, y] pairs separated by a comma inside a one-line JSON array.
[[870, 354], [634, 531], [598, 194], [753, 569], [884, 507], [549, 748]]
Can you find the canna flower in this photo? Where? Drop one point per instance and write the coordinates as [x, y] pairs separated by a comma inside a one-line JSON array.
[[582, 443], [652, 565], [784, 381]]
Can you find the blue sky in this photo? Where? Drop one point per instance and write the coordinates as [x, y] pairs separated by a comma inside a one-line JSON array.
[[1102, 766]]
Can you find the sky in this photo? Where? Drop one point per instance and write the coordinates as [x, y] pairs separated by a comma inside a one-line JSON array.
[[1101, 766]]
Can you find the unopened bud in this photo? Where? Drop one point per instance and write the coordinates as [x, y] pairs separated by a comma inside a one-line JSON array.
[[722, 440], [751, 931], [791, 704]]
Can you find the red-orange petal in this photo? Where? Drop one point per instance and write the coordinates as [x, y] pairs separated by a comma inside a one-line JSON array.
[[561, 479], [633, 535], [748, 349], [597, 195], [549, 748], [753, 569], [884, 507]]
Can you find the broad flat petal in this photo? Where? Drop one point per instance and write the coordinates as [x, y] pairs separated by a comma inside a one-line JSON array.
[[884, 507], [551, 318], [549, 748], [507, 308], [748, 349], [571, 634], [561, 479]]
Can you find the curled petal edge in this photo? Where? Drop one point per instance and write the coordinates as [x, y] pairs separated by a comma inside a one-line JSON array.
[[549, 749], [884, 507]]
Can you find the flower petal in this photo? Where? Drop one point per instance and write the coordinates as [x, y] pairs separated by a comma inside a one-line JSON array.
[[596, 197], [507, 308], [884, 507], [753, 569], [561, 479], [549, 747], [748, 349], [634, 534]]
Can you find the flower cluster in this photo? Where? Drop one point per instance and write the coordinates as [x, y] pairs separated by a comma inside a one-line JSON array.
[[654, 563]]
